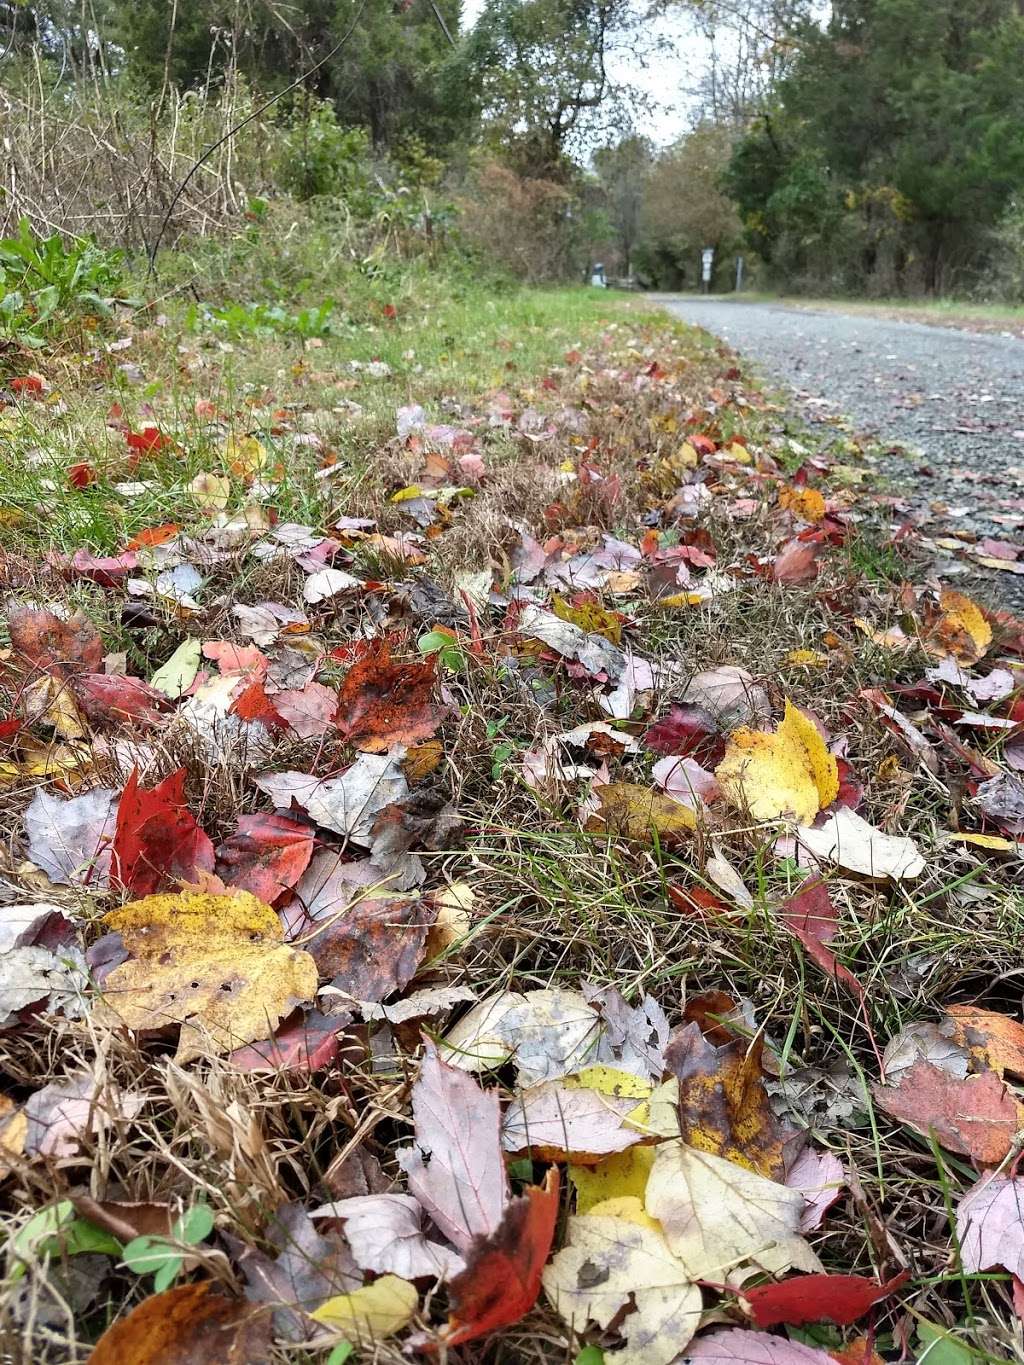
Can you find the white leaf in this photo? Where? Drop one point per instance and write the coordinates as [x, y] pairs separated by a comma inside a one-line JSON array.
[[853, 844], [386, 1235]]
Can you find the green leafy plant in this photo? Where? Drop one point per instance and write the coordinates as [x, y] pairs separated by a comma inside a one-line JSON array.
[[47, 282], [161, 1257]]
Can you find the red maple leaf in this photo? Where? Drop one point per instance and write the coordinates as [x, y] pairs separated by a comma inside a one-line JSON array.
[[157, 840], [146, 440], [811, 917], [382, 703], [266, 855], [502, 1277]]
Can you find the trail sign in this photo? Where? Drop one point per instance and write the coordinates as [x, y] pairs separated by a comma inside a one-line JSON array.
[[707, 257]]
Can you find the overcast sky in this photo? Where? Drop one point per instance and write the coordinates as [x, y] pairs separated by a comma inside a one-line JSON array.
[[665, 78]]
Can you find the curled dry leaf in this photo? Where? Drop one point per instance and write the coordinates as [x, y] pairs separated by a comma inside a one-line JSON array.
[[190, 1325], [214, 964], [994, 1039], [787, 773], [611, 1255], [959, 628]]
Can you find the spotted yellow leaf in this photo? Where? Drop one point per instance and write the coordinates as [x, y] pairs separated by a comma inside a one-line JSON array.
[[788, 773]]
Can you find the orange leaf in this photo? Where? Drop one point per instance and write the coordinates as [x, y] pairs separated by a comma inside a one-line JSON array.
[[382, 703], [190, 1325]]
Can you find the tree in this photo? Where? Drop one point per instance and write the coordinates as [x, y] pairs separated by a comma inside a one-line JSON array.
[[894, 143], [623, 171], [685, 207], [536, 72]]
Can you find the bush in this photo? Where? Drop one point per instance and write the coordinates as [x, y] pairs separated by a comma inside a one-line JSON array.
[[46, 284], [523, 225]]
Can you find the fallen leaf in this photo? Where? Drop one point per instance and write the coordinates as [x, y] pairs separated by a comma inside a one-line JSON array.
[[385, 1232], [976, 1115], [685, 781], [990, 1226], [687, 731], [28, 976], [996, 1038], [1002, 800], [785, 773], [593, 652], [306, 1042], [549, 1033], [21, 926], [214, 964], [724, 1108], [612, 1257], [820, 1177], [309, 711], [210, 492], [811, 917], [327, 583], [306, 1268], [735, 1346], [846, 839], [348, 804], [959, 628], [189, 1325], [382, 703], [44, 641], [455, 1169], [375, 948], [502, 1279], [840, 1299], [796, 562], [755, 1222], [373, 1312], [70, 839], [61, 1113], [157, 840], [730, 695], [557, 1122], [635, 812], [177, 675], [112, 697], [266, 855]]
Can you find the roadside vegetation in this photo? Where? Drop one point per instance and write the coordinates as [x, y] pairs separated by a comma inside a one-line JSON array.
[[506, 855]]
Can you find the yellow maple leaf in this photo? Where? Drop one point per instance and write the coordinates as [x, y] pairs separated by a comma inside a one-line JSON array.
[[245, 456], [591, 617], [788, 773], [215, 964], [805, 503], [960, 629]]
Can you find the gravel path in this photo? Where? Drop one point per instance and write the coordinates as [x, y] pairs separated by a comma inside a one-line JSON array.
[[953, 400]]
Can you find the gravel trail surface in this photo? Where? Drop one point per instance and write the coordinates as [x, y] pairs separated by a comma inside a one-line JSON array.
[[953, 400]]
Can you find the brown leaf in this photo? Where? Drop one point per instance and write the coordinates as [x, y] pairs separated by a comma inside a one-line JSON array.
[[125, 1220], [375, 949], [724, 1108], [382, 703], [975, 1116], [811, 917], [44, 641], [189, 1325]]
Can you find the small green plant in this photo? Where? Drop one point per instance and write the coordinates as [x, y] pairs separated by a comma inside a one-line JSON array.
[[445, 644], [265, 319], [160, 1256], [46, 282]]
